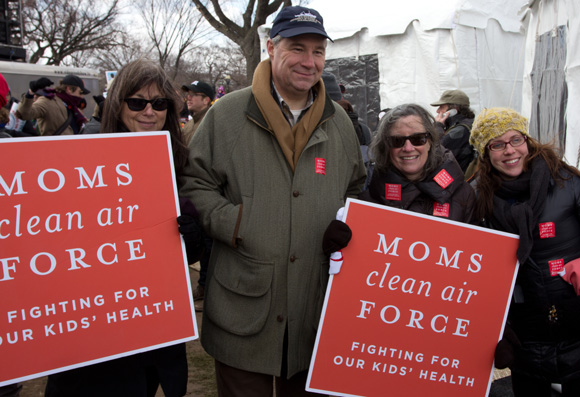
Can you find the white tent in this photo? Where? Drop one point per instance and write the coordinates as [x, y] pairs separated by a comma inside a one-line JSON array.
[[551, 85], [422, 48]]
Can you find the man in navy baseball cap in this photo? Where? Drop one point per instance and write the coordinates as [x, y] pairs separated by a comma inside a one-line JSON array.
[[264, 141], [294, 21]]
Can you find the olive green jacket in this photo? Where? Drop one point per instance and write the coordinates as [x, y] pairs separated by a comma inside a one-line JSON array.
[[267, 271]]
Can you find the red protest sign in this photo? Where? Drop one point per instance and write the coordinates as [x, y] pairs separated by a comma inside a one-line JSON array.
[[92, 266], [417, 308]]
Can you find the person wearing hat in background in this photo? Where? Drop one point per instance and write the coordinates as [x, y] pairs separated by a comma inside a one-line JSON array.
[[198, 97], [331, 86], [269, 167], [524, 187], [453, 122], [58, 111]]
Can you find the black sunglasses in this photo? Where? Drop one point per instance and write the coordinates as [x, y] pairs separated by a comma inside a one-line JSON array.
[[418, 139], [138, 104]]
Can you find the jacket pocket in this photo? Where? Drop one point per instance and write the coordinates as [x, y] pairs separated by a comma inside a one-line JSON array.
[[239, 293]]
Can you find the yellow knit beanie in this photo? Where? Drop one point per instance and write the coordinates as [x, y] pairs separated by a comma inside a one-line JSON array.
[[494, 122]]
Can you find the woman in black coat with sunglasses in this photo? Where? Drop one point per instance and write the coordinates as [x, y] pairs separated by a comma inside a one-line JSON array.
[[413, 171], [141, 99]]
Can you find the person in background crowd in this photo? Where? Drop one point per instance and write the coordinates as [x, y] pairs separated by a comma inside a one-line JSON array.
[[412, 171], [453, 122], [335, 93], [269, 167], [221, 92], [331, 86], [524, 187], [9, 123], [141, 99], [93, 126], [199, 96], [58, 111], [363, 133]]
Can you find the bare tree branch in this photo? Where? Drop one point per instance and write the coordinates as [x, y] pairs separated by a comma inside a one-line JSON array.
[[174, 27], [57, 29], [245, 36]]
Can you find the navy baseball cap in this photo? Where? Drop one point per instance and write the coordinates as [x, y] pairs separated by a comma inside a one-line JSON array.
[[75, 81], [294, 21]]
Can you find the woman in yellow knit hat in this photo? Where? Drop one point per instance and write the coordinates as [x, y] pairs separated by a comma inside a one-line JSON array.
[[525, 188]]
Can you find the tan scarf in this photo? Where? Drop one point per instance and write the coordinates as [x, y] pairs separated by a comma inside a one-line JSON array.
[[291, 140]]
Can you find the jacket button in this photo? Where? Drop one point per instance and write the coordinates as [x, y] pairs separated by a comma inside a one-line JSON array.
[[292, 258], [296, 193], [280, 318]]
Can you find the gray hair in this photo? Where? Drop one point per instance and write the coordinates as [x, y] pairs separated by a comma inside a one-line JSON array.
[[276, 40], [380, 147]]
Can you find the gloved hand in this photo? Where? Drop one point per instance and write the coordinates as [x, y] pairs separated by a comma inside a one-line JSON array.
[[336, 237], [191, 230], [192, 234], [505, 349], [570, 274], [39, 84]]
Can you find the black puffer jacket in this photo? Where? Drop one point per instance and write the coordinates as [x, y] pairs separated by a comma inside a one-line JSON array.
[[455, 137], [426, 196], [545, 311]]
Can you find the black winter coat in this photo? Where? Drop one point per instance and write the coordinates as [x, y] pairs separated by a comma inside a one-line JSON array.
[[545, 311], [455, 137]]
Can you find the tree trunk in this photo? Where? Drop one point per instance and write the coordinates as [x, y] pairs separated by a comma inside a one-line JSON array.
[[251, 51]]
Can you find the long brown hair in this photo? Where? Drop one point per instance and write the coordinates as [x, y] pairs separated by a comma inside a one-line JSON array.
[[489, 179], [131, 78]]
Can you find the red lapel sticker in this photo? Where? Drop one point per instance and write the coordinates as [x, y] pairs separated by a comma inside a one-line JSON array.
[[556, 266], [393, 191], [441, 210], [443, 179], [320, 167], [547, 230]]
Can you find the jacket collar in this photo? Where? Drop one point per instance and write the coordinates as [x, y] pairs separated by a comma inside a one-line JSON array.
[[264, 110], [253, 110]]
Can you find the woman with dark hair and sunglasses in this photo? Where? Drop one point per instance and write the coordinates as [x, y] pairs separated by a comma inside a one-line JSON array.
[[413, 171], [140, 99], [524, 187]]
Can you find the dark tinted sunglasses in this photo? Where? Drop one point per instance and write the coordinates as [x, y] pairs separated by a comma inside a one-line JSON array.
[[418, 139], [138, 104]]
